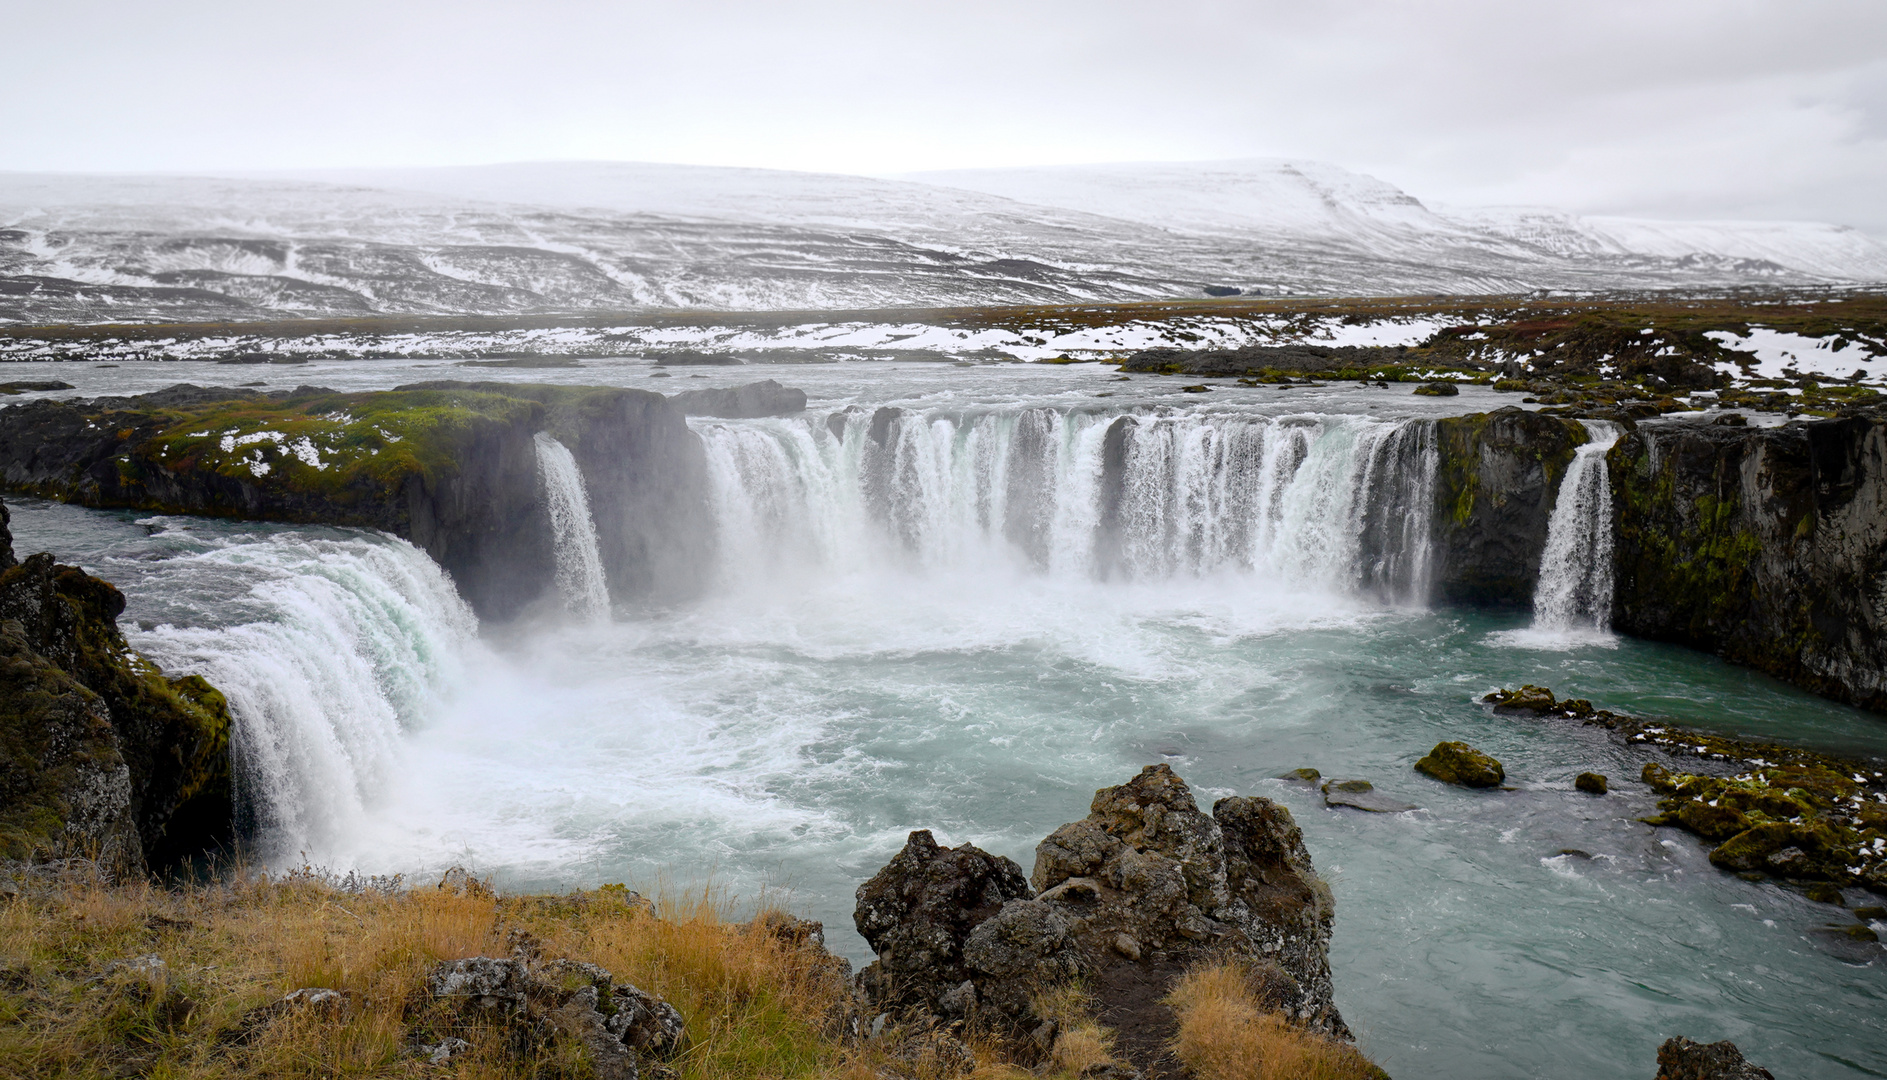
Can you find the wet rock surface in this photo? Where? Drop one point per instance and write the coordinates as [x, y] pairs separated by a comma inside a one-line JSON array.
[[1462, 765], [1766, 809], [1761, 544], [1683, 1059], [1496, 481], [1124, 899], [1362, 795]]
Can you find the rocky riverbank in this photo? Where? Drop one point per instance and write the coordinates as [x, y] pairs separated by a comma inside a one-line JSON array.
[[102, 756]]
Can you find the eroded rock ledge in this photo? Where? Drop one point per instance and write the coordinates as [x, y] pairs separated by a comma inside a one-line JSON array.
[[1126, 899]]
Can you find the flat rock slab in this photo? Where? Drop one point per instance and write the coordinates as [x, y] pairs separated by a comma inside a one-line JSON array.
[[1362, 795]]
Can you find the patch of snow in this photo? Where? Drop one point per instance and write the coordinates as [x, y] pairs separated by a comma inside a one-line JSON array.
[[1778, 350]]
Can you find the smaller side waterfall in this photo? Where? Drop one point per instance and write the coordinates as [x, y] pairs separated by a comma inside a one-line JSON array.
[[1575, 586], [579, 558]]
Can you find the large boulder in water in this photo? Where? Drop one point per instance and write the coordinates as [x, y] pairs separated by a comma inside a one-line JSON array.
[[1462, 765]]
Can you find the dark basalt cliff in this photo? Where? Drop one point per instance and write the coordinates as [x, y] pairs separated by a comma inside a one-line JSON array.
[[101, 755], [1496, 482], [451, 466], [1767, 546]]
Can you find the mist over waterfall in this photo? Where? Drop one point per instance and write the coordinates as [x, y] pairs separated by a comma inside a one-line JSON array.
[[580, 577], [1575, 586], [1332, 502]]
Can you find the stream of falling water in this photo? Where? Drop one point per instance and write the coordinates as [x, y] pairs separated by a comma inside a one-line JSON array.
[[1574, 592], [579, 556]]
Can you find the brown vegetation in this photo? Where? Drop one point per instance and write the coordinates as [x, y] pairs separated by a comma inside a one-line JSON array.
[[1225, 1033]]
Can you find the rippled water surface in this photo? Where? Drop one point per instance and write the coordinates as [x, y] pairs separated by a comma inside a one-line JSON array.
[[786, 731]]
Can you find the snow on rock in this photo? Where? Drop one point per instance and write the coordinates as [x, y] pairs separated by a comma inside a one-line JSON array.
[[1778, 353]]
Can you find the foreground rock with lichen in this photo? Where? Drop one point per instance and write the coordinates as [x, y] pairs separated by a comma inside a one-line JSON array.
[[1144, 888]]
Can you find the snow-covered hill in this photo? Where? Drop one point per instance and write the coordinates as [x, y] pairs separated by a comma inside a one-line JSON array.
[[577, 237]]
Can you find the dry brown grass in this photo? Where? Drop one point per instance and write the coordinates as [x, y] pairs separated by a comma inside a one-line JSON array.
[[756, 1006], [1224, 1034]]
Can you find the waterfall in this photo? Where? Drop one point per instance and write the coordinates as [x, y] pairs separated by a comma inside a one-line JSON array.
[[1575, 586], [331, 645], [579, 558], [1334, 502]]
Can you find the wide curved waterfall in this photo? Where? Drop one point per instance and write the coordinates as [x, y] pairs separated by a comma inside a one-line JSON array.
[[1575, 586], [580, 578], [1331, 502]]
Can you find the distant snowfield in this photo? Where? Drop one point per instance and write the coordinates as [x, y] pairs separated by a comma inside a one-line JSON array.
[[804, 342], [612, 237], [1778, 352]]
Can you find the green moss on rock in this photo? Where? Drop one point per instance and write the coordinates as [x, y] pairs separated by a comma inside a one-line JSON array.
[[1461, 764]]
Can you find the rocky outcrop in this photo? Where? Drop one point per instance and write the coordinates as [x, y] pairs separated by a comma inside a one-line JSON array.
[[1495, 486], [545, 1002], [101, 755], [1683, 1059], [450, 466], [764, 398], [1125, 899], [1462, 765], [1767, 546], [1355, 360]]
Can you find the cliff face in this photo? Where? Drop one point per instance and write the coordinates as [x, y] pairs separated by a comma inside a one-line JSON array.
[[1495, 488], [101, 755], [450, 466], [1765, 545]]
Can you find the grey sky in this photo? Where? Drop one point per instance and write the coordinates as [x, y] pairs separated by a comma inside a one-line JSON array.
[[1684, 108]]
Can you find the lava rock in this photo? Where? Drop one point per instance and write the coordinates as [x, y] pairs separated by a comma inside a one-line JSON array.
[[1460, 764], [1683, 1059], [919, 910], [1591, 783]]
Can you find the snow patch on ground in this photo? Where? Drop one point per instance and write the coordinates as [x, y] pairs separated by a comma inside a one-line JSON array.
[[1778, 352]]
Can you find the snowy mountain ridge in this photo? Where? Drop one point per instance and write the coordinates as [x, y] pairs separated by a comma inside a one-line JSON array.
[[590, 236]]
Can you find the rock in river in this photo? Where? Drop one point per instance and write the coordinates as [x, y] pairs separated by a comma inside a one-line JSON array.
[[1461, 764]]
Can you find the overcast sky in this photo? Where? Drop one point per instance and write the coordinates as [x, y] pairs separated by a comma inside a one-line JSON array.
[[1683, 108]]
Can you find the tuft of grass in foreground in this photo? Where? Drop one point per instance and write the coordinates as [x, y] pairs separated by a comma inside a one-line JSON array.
[[1226, 1034], [80, 996]]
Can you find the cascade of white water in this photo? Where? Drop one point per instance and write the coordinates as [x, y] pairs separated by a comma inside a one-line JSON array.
[[331, 649], [1575, 587], [1339, 502], [580, 577]]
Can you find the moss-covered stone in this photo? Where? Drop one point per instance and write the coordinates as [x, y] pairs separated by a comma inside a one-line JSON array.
[[1591, 783], [1775, 810], [1461, 764], [1496, 481]]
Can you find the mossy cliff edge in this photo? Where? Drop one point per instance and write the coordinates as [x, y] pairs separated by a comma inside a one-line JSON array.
[[451, 466], [1496, 482], [101, 756], [1767, 546]]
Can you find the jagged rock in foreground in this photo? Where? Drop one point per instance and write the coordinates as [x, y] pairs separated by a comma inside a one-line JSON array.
[[450, 466], [1683, 1059], [1763, 545], [1127, 898], [539, 1000], [101, 755]]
